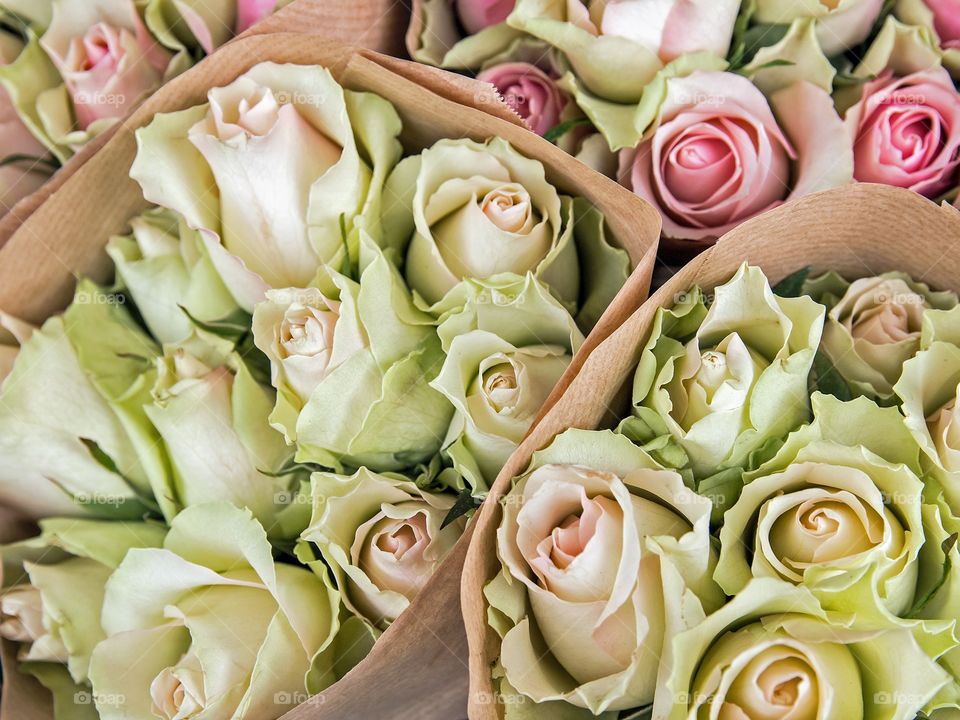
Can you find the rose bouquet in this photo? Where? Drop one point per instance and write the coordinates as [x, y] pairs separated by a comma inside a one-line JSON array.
[[758, 518], [717, 111], [321, 340]]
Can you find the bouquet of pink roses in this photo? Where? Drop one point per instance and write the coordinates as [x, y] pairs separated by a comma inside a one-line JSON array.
[[714, 111]]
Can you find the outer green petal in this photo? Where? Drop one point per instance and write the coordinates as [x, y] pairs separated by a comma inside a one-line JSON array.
[[799, 48], [441, 43]]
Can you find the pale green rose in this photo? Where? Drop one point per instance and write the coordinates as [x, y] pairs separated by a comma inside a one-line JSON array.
[[940, 18], [840, 510], [449, 38], [52, 597], [873, 326], [928, 391], [351, 366], [463, 209], [213, 419], [840, 24], [606, 556], [773, 652], [507, 342], [382, 537], [73, 433], [13, 333], [616, 48], [715, 385], [294, 163], [201, 26], [164, 266], [797, 57], [210, 625]]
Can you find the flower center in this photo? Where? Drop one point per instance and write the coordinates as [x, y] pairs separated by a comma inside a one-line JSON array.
[[508, 207], [500, 386], [399, 542], [307, 331]]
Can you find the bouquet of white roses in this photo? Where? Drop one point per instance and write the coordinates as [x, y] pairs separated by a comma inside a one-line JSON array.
[[769, 528], [252, 449]]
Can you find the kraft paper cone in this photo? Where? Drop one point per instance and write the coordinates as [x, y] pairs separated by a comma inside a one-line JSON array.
[[858, 230], [418, 668], [373, 24]]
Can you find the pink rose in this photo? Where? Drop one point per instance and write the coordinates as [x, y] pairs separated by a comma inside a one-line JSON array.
[[716, 154], [108, 59], [475, 15], [531, 93], [906, 132], [250, 12], [946, 21]]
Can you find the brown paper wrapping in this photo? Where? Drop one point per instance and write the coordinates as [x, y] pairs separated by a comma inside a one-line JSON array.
[[858, 230], [418, 669], [373, 24]]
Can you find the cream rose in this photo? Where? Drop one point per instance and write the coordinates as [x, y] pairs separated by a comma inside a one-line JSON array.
[[713, 385], [383, 538], [507, 344], [873, 326], [841, 24], [283, 150], [605, 557]]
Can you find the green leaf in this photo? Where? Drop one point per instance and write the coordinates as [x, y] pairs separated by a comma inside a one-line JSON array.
[[738, 45], [232, 327], [100, 456], [257, 363], [947, 545], [792, 285], [464, 504], [558, 131], [762, 36], [825, 378]]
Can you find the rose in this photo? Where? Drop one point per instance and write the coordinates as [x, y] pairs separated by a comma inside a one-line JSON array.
[[928, 390], [354, 390], [107, 58], [605, 557], [772, 651], [459, 34], [250, 12], [714, 385], [13, 333], [615, 48], [52, 600], [873, 326], [904, 132], [165, 268], [463, 209], [941, 16], [382, 538], [282, 148], [20, 178], [215, 593], [529, 91], [212, 417], [506, 344], [842, 513], [73, 433], [716, 155], [841, 24]]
